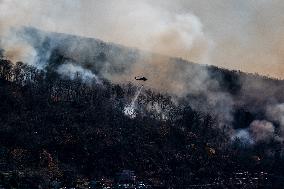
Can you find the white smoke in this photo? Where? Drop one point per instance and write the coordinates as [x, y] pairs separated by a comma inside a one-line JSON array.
[[187, 29], [244, 136], [17, 48], [244, 35], [138, 24], [276, 113], [156, 109], [262, 131], [72, 71], [258, 131]]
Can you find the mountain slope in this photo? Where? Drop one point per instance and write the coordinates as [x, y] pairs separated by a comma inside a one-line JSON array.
[[223, 92], [194, 124]]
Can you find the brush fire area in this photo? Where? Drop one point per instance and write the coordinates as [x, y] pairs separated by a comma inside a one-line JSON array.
[[141, 94]]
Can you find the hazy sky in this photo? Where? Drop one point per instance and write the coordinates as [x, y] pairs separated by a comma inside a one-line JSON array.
[[235, 34]]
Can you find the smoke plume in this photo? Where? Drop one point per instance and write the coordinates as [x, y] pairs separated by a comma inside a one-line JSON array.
[[72, 71], [258, 131], [276, 113], [244, 35], [244, 136], [262, 130]]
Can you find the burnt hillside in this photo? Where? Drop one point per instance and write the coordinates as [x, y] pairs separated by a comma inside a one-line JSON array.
[[226, 94], [61, 129], [63, 118]]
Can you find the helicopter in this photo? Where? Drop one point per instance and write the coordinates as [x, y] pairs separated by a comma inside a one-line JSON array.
[[140, 78]]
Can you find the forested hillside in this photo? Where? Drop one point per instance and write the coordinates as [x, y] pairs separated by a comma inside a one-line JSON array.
[[75, 114], [62, 129]]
